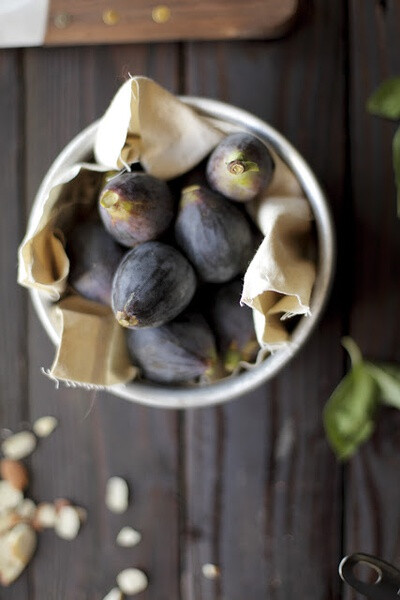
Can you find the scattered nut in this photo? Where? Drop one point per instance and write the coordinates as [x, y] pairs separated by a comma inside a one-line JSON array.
[[67, 522], [128, 537], [45, 516], [8, 519], [10, 497], [210, 571], [82, 513], [114, 594], [16, 549], [26, 509], [117, 494], [59, 503], [44, 426], [132, 581], [15, 473], [19, 445]]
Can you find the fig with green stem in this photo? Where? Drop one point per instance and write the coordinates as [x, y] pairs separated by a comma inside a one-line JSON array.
[[240, 167], [135, 207]]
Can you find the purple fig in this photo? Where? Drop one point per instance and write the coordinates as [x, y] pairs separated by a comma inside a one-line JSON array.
[[213, 233], [135, 207], [94, 257], [240, 167], [233, 327], [181, 350], [152, 285]]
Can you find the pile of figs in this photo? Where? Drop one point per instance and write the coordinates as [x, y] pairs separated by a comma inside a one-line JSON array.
[[169, 257]]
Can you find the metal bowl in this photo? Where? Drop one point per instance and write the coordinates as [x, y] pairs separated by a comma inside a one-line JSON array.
[[188, 397]]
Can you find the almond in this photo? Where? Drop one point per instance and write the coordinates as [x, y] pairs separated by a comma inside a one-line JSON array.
[[59, 503], [44, 426], [114, 594], [128, 537], [16, 550], [10, 497], [82, 513], [132, 581], [210, 571], [19, 445], [26, 509], [117, 494], [15, 473], [45, 516], [8, 519], [67, 523]]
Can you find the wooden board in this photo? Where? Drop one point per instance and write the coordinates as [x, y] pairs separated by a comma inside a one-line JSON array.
[[372, 490], [251, 486], [262, 488], [103, 22]]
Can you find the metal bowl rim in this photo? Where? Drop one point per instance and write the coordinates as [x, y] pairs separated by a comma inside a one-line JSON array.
[[230, 388]]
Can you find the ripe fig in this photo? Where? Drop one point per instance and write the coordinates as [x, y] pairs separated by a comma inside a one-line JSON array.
[[213, 233], [135, 207], [94, 257], [233, 327], [240, 167], [181, 350], [152, 285]]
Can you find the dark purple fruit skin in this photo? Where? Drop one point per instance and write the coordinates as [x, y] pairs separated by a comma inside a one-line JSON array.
[[213, 233], [94, 257], [152, 285], [179, 351], [250, 152], [233, 324], [135, 208]]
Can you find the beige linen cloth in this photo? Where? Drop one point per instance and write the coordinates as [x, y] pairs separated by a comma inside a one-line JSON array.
[[146, 123]]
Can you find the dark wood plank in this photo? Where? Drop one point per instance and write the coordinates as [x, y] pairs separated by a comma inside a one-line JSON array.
[[373, 495], [13, 321], [94, 22], [263, 489], [100, 435]]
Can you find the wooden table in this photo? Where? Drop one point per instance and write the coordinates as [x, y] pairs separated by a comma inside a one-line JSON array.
[[251, 486]]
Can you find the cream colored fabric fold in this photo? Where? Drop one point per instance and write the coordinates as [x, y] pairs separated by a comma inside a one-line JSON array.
[[145, 122]]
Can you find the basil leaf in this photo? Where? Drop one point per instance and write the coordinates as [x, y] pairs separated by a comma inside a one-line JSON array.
[[387, 377], [349, 414], [396, 166], [385, 100]]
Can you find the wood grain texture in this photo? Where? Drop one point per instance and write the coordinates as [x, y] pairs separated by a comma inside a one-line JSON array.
[[13, 302], [99, 21], [263, 489], [372, 490], [99, 435]]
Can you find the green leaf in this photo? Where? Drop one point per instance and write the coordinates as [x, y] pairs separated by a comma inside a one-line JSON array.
[[349, 414], [354, 351], [385, 100], [396, 166], [387, 378]]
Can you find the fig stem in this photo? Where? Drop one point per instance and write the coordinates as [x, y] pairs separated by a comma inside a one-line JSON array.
[[109, 199], [238, 167], [126, 321]]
